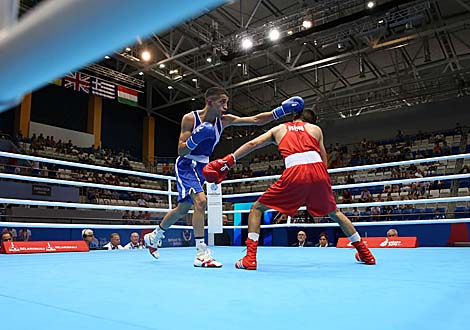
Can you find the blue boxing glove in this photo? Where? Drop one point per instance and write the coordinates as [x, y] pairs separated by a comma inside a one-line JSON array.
[[203, 132], [294, 104]]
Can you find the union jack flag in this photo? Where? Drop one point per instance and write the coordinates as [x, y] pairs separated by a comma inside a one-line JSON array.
[[77, 81]]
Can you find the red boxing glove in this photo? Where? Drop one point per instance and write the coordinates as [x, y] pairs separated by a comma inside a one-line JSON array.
[[217, 170]]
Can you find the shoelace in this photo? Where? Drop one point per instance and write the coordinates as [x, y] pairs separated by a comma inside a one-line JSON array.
[[158, 239]]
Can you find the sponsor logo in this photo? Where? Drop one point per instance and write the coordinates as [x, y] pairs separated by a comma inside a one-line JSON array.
[[390, 243], [12, 248], [49, 248], [214, 187]]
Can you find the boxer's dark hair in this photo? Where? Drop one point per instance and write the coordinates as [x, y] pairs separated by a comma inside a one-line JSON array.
[[307, 115], [215, 91]]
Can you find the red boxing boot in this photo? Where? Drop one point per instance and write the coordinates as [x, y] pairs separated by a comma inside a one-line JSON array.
[[363, 253], [248, 262]]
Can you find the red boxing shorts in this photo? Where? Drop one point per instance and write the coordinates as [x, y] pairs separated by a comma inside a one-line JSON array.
[[299, 185]]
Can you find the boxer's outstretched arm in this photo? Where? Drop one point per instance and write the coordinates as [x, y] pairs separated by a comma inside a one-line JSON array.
[[257, 143]]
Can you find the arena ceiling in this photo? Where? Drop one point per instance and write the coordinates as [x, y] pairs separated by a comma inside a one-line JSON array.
[[354, 60]]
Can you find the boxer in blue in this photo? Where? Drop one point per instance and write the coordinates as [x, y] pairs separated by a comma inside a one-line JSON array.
[[200, 132]]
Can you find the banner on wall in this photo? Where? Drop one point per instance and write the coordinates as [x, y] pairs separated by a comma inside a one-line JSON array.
[[41, 190], [43, 247]]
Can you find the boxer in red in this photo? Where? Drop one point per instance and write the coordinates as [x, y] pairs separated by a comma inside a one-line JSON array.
[[305, 181]]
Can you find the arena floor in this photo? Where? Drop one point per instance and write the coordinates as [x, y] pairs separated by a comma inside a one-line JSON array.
[[424, 288]]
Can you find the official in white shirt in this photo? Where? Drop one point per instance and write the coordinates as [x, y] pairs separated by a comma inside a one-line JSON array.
[[114, 242], [134, 243]]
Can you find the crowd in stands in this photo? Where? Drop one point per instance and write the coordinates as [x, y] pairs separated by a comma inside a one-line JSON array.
[[398, 148]]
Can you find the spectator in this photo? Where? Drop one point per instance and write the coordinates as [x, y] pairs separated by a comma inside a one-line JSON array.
[[24, 235], [464, 170], [89, 237], [6, 237], [445, 149], [439, 215], [375, 213], [134, 243], [114, 242], [347, 196], [323, 241], [302, 240], [437, 149], [366, 196], [392, 233]]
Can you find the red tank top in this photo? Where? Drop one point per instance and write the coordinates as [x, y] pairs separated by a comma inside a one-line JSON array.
[[297, 140]]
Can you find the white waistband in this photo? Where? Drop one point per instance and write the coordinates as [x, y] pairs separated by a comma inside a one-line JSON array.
[[301, 158], [198, 158]]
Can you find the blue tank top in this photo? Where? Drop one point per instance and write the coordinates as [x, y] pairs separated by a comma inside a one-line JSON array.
[[206, 147]]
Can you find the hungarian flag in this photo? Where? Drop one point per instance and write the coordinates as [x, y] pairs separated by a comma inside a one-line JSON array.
[[127, 96], [77, 81]]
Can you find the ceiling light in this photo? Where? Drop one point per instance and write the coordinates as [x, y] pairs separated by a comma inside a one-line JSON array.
[[193, 99], [146, 56], [209, 60], [290, 32], [370, 4], [162, 66], [307, 24], [141, 73], [128, 49], [274, 35], [107, 57], [247, 43], [239, 64], [194, 79], [170, 87]]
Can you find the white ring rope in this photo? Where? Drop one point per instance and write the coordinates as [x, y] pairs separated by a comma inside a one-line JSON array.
[[79, 205], [362, 167], [372, 183], [404, 162], [88, 166], [84, 184], [386, 203], [286, 225]]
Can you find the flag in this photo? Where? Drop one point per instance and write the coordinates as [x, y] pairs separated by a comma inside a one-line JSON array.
[[127, 96], [57, 82], [102, 88], [77, 81]]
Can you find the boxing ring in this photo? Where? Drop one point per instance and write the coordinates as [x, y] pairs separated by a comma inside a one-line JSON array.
[[408, 288]]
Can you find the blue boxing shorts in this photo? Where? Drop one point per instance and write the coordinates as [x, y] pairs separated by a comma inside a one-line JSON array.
[[189, 178]]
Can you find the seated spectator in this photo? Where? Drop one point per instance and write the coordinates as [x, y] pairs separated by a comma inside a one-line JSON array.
[[375, 213], [134, 243], [7, 237], [24, 235], [302, 240], [439, 215], [366, 196], [89, 237], [114, 242], [347, 196], [392, 233], [141, 202], [464, 170], [437, 149], [323, 241], [445, 149]]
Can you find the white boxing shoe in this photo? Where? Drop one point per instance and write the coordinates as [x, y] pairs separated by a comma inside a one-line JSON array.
[[204, 258], [153, 241]]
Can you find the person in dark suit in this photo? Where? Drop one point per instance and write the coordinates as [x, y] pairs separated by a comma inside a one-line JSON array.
[[323, 241], [302, 240]]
